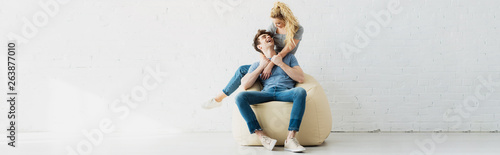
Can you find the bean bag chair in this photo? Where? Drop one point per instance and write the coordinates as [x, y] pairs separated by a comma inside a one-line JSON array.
[[274, 117]]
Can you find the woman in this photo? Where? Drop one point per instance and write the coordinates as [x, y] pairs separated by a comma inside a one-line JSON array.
[[287, 34]]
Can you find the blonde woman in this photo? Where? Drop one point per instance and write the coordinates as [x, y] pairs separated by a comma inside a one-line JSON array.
[[287, 34]]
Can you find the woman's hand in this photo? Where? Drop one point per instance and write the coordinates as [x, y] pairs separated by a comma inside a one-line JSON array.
[[267, 71], [265, 62]]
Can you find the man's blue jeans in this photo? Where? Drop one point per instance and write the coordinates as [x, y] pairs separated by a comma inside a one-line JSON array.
[[235, 82], [296, 95]]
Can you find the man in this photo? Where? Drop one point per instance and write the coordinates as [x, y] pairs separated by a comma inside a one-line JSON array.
[[278, 87]]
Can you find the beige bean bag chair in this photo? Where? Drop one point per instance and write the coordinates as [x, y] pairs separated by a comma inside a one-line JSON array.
[[274, 117]]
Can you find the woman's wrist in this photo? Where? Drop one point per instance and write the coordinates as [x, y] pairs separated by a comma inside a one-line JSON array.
[[282, 54]]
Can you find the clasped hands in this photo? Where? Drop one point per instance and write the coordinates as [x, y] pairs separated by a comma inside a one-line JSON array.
[[276, 60]]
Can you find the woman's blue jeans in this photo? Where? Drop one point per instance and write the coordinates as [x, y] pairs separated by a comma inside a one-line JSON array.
[[235, 82], [296, 95]]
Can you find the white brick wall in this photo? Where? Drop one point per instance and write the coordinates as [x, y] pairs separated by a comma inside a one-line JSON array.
[[424, 63]]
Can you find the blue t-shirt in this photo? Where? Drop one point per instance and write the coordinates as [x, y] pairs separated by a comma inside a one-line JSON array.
[[278, 77]]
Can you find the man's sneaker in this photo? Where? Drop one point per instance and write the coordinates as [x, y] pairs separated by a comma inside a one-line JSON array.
[[268, 143], [293, 145], [211, 104]]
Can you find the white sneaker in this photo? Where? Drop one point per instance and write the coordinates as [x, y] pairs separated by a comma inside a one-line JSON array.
[[294, 146], [211, 104], [268, 143]]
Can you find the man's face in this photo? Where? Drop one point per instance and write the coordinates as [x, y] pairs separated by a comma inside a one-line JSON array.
[[266, 41]]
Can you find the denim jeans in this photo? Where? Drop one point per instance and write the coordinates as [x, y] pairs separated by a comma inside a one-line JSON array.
[[235, 82], [296, 95]]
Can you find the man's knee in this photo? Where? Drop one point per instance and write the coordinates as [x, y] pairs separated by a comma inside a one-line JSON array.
[[299, 91], [241, 98]]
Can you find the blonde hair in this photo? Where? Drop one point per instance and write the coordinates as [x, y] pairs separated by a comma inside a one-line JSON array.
[[281, 11]]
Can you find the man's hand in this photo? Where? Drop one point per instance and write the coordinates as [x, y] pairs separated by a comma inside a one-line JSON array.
[[263, 62], [277, 60]]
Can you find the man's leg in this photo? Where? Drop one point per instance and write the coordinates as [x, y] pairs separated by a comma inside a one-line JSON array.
[[247, 98], [298, 96], [243, 101]]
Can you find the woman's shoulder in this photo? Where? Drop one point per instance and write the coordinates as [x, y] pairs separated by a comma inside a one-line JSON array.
[[299, 32], [271, 28], [300, 28]]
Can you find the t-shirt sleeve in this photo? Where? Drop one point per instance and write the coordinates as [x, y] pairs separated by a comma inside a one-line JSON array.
[[253, 67], [298, 34], [271, 29], [293, 61]]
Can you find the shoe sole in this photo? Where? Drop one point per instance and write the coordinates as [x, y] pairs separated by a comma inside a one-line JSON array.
[[295, 151], [210, 106]]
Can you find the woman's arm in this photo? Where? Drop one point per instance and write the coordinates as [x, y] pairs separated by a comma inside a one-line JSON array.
[[267, 71], [295, 72], [288, 47]]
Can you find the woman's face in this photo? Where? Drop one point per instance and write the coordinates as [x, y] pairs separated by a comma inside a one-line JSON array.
[[278, 23]]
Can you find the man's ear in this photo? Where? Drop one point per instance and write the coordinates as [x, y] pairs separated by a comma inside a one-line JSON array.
[[259, 47]]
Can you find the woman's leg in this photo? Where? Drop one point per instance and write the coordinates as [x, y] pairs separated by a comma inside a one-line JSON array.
[[233, 84], [235, 81], [220, 96]]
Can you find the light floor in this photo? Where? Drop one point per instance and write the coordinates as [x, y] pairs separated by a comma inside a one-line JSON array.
[[223, 143]]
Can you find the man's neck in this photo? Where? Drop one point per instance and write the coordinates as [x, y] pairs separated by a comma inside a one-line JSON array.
[[269, 53]]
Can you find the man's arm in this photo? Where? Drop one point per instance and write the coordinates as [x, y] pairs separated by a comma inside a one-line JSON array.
[[249, 79], [294, 72]]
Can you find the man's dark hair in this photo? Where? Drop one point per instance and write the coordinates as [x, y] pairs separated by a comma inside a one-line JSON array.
[[256, 38]]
